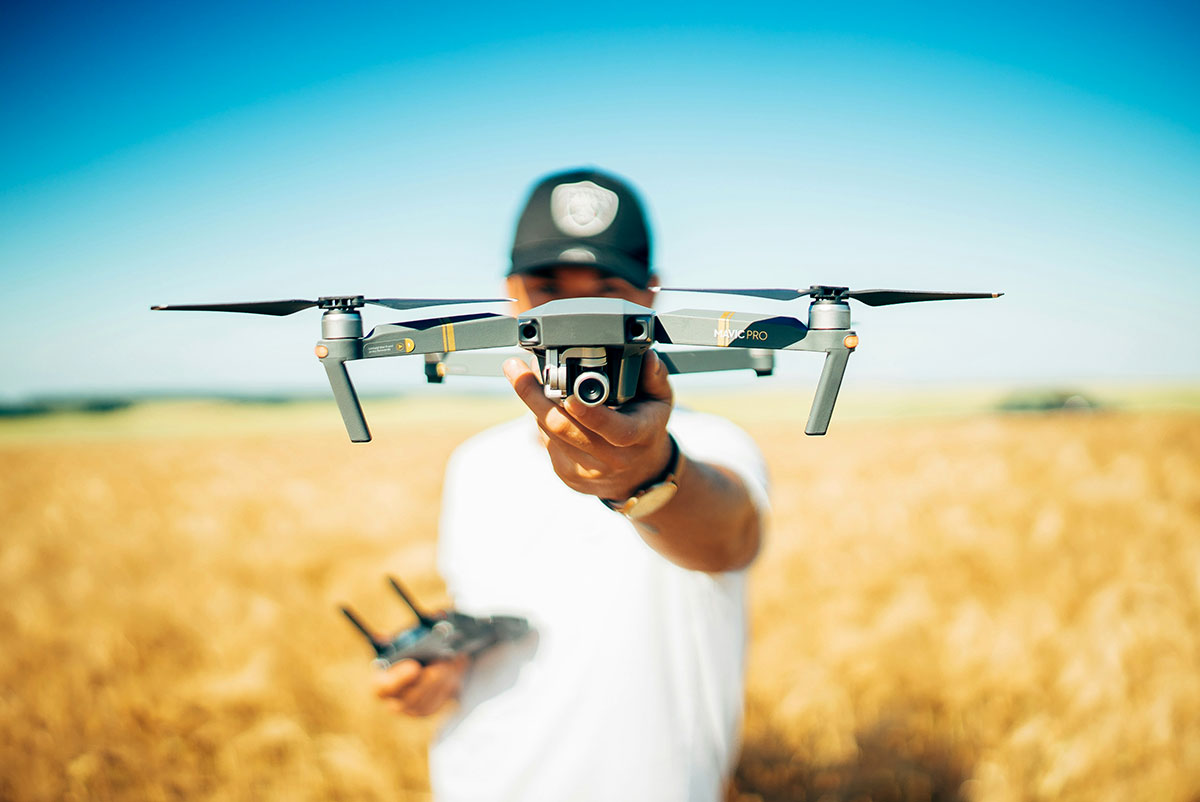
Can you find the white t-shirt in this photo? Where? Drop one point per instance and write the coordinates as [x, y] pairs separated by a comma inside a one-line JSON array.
[[630, 687]]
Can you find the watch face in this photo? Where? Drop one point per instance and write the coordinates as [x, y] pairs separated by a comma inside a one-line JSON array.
[[653, 500]]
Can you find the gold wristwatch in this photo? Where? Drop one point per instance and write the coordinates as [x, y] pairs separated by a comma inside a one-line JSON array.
[[654, 494]]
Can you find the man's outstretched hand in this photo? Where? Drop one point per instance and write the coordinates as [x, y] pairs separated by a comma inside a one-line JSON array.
[[599, 450], [711, 524]]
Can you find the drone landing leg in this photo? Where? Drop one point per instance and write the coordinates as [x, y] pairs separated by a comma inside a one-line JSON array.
[[827, 391], [347, 400]]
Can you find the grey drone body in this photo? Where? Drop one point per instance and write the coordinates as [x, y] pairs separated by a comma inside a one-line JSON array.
[[589, 347], [592, 348]]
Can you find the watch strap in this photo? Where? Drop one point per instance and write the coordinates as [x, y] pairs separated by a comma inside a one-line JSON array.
[[667, 475]]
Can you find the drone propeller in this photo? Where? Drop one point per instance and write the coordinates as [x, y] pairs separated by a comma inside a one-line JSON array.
[[290, 307], [828, 293], [889, 297]]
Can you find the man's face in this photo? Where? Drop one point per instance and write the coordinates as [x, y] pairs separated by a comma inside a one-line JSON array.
[[532, 290]]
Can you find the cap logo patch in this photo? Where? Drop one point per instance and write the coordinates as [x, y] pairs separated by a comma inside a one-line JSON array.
[[583, 209]]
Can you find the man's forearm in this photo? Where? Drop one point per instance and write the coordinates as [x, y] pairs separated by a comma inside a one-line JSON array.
[[712, 523]]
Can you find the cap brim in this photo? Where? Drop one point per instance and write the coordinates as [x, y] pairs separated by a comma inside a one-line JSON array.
[[540, 256]]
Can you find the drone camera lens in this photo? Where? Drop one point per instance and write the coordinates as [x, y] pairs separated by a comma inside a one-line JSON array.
[[592, 388], [637, 330], [529, 332]]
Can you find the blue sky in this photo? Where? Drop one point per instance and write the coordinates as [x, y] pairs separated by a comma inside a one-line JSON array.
[[154, 154]]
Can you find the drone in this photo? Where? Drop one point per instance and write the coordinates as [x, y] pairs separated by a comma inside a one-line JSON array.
[[440, 636], [591, 348]]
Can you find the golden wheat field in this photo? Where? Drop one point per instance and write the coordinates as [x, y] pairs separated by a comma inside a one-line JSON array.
[[976, 607]]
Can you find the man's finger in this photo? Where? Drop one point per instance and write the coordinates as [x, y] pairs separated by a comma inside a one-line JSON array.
[[528, 388], [552, 418], [639, 421], [438, 683], [574, 474], [578, 424], [597, 457], [631, 424], [392, 681], [563, 427], [655, 380], [420, 698]]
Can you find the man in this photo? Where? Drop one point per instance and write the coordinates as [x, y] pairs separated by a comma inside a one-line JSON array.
[[630, 685]]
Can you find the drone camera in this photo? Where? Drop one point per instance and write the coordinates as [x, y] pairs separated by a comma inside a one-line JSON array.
[[592, 388]]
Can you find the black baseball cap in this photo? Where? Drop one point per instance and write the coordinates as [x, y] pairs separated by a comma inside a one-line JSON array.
[[583, 218]]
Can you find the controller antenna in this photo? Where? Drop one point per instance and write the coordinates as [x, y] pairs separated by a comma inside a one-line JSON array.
[[426, 620], [379, 645]]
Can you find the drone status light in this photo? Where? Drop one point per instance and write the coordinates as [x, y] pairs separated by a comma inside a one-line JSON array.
[[321, 351], [850, 341]]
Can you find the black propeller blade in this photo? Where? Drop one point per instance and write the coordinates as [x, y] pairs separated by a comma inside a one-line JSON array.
[[278, 308], [868, 297], [887, 297], [290, 307]]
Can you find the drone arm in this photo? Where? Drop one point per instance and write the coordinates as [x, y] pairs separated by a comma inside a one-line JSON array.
[[729, 329], [696, 360], [441, 335], [702, 360], [470, 363]]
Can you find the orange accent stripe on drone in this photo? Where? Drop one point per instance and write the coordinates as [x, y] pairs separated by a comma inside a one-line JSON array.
[[723, 328], [448, 337]]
